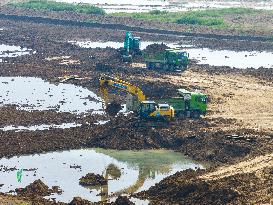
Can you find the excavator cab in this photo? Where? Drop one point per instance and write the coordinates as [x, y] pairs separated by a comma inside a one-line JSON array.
[[146, 108], [150, 109]]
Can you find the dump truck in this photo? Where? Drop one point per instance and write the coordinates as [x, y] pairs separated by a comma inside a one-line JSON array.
[[131, 47], [187, 104], [168, 59]]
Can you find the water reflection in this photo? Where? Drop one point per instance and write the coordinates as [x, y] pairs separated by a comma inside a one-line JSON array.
[[126, 171]]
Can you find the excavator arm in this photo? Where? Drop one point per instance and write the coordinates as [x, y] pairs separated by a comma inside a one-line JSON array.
[[106, 82]]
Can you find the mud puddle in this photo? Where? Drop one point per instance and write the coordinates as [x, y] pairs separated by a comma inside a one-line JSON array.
[[237, 59], [29, 93], [7, 51], [39, 127], [114, 6], [126, 171]]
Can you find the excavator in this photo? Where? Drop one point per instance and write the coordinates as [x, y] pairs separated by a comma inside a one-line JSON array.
[[146, 109], [131, 47]]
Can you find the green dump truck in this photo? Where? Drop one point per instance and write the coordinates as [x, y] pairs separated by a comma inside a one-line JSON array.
[[187, 104], [168, 59]]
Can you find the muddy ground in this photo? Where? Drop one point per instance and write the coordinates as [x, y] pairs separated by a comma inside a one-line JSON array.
[[238, 126]]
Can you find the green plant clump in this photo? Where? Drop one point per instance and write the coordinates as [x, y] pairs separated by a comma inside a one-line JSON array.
[[60, 6], [189, 19], [209, 17]]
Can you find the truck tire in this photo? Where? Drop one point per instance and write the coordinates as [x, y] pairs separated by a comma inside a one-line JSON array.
[[181, 115], [152, 65], [195, 114], [183, 67]]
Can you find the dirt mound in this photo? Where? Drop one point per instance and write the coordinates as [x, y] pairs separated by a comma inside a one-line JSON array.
[[92, 180], [113, 108], [187, 188], [123, 200], [36, 188], [79, 201], [156, 48], [113, 171], [124, 132], [104, 67]]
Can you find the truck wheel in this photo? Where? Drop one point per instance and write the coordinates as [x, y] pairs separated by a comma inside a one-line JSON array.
[[195, 114], [152, 65], [183, 67], [181, 115]]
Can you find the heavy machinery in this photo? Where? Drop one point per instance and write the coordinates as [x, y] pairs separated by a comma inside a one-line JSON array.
[[146, 109], [131, 47], [188, 104], [169, 60]]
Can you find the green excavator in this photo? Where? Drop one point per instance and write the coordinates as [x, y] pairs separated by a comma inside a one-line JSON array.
[[131, 47]]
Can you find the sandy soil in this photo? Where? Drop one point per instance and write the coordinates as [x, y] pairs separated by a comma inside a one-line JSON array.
[[226, 93]]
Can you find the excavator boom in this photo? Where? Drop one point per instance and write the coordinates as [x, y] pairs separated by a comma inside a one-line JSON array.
[[106, 81]]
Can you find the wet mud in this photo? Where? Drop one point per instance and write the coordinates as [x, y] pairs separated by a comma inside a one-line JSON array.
[[218, 140]]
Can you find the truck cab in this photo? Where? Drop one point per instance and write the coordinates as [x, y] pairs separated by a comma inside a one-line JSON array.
[[195, 102]]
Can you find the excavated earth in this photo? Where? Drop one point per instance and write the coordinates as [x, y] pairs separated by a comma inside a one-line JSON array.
[[238, 126], [92, 179]]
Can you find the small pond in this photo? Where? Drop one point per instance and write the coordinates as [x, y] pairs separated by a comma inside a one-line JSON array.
[[126, 171], [29, 93], [7, 51]]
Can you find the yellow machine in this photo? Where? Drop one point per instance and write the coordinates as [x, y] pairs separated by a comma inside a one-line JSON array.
[[146, 108]]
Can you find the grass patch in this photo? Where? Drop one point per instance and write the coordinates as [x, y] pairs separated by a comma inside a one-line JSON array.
[[210, 17], [191, 19], [60, 6]]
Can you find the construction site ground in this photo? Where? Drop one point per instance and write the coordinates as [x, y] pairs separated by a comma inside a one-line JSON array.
[[235, 137]]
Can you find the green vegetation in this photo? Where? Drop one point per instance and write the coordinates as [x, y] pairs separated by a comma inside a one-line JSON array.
[[59, 6], [211, 17]]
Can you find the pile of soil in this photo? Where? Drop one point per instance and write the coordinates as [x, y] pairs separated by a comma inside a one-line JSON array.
[[156, 48], [113, 108], [187, 187], [123, 200], [122, 133], [80, 201], [92, 179], [37, 188]]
